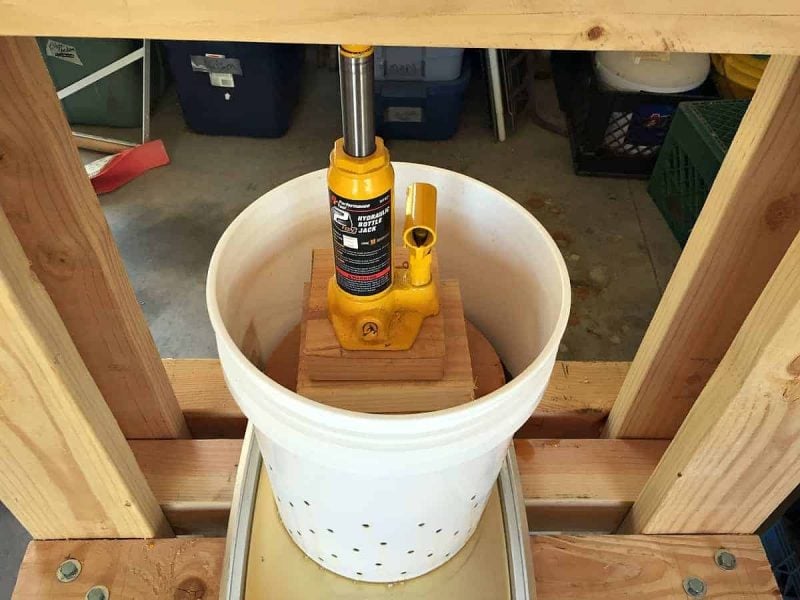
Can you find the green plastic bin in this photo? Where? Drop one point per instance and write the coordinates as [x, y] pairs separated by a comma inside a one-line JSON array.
[[114, 101], [693, 151]]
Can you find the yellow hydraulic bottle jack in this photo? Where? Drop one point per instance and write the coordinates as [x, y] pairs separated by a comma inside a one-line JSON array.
[[372, 304]]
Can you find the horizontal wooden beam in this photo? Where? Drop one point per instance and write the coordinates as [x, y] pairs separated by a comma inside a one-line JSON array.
[[575, 404], [648, 567], [565, 568], [583, 485], [568, 485], [192, 481], [768, 27], [165, 569]]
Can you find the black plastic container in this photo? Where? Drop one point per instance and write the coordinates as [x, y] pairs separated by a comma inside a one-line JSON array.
[[420, 110], [611, 133], [237, 88]]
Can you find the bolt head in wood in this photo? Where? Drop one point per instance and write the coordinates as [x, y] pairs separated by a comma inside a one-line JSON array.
[[694, 587], [98, 592], [68, 570], [725, 560]]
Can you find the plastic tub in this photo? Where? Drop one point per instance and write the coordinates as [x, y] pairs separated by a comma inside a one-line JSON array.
[[654, 72], [387, 497], [417, 63]]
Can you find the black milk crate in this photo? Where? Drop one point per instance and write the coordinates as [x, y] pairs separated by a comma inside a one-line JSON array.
[[614, 134]]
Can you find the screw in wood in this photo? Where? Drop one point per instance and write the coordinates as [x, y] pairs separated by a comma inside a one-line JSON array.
[[369, 329], [68, 570], [694, 587], [725, 559], [98, 592]]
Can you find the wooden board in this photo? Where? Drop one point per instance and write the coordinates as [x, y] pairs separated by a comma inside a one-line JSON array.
[[748, 221], [54, 211], [278, 570], [648, 567], [67, 470], [176, 569], [565, 567], [737, 455], [714, 25], [573, 406], [583, 485], [454, 388], [577, 400], [325, 360], [192, 481], [568, 485]]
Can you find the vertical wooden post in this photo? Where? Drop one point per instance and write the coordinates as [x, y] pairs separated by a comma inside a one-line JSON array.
[[749, 219], [54, 211], [65, 467], [737, 454]]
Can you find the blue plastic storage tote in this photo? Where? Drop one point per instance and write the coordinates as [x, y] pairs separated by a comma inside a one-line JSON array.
[[237, 88], [422, 110]]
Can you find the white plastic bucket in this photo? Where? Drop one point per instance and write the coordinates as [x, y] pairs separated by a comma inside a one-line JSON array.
[[387, 497]]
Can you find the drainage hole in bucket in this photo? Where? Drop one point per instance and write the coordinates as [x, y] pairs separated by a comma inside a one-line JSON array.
[[438, 531], [378, 564], [356, 550], [421, 525], [359, 573], [330, 530], [270, 467], [383, 543], [447, 555], [455, 534], [430, 554], [290, 504], [473, 497], [365, 525], [311, 531], [403, 572], [321, 559], [298, 533], [334, 556], [410, 552], [306, 503], [475, 505]]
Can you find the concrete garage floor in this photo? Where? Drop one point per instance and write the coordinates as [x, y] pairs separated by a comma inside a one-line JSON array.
[[619, 250]]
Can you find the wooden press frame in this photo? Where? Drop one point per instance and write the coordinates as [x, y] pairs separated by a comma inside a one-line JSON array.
[[698, 437]]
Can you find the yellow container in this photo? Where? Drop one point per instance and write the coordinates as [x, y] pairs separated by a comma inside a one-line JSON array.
[[737, 75]]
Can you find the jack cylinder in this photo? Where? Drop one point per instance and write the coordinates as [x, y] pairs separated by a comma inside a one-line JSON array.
[[356, 75]]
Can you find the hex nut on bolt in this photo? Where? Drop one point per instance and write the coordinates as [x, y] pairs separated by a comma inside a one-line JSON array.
[[68, 570], [725, 559], [694, 587], [98, 592]]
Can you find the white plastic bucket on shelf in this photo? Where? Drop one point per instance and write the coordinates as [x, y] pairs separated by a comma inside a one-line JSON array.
[[387, 497]]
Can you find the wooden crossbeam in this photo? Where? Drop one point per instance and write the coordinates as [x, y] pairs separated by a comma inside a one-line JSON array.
[[575, 404], [568, 485], [565, 568], [65, 467], [748, 221], [737, 455], [768, 27], [54, 211]]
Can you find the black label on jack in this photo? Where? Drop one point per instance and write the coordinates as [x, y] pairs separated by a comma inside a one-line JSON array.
[[362, 243]]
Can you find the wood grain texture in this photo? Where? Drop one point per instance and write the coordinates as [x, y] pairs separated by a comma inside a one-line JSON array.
[[54, 211], [737, 455], [176, 569], [575, 403], [749, 219], [454, 388], [682, 25], [192, 480], [325, 360], [577, 400], [648, 567], [583, 485], [67, 470], [565, 567]]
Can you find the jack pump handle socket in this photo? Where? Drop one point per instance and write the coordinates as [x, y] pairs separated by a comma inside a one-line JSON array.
[[419, 231]]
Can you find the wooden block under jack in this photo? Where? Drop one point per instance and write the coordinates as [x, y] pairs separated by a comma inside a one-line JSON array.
[[326, 360], [456, 386]]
